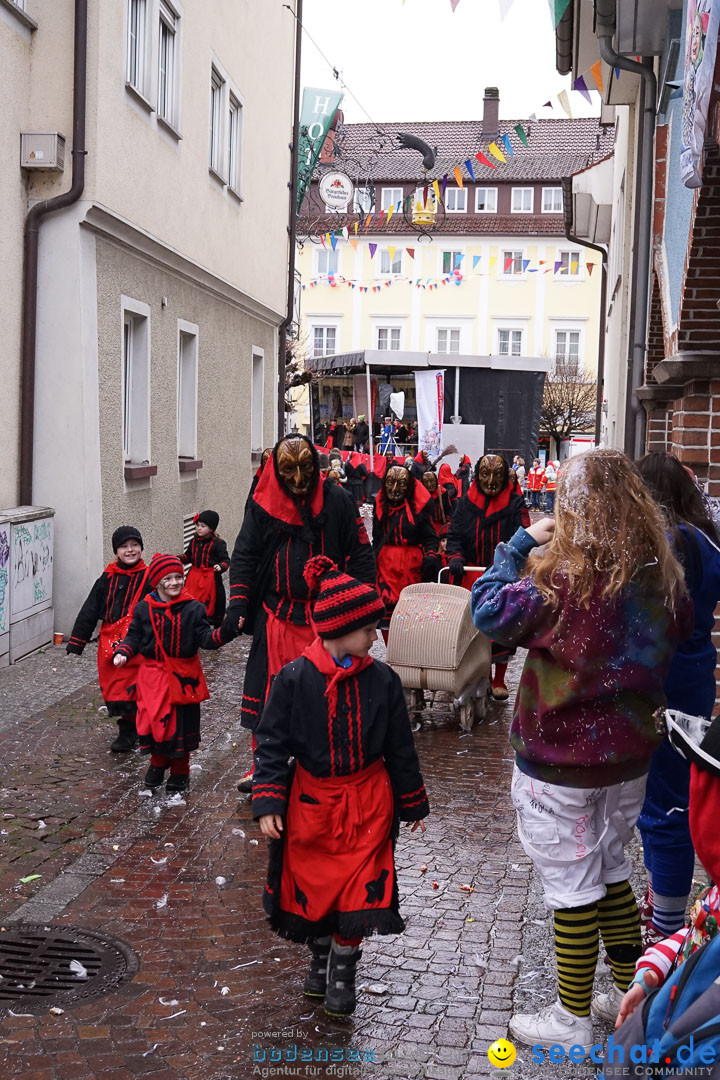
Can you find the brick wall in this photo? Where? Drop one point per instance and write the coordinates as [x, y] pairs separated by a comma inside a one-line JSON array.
[[659, 428], [656, 335]]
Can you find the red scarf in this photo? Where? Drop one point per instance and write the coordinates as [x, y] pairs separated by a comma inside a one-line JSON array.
[[419, 499], [115, 568], [318, 655], [276, 502], [489, 505]]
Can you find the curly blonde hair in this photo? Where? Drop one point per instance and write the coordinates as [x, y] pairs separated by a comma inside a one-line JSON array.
[[607, 525]]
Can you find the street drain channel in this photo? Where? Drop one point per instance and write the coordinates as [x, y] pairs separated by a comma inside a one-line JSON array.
[[43, 966]]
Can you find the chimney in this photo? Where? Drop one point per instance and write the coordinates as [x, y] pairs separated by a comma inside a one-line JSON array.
[[491, 108]]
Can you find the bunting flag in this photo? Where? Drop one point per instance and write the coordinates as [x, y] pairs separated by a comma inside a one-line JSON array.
[[493, 262], [391, 253], [581, 86], [373, 249], [521, 134], [445, 183], [557, 10], [505, 140], [505, 6], [476, 260], [548, 105], [390, 211], [468, 166], [353, 242], [508, 265], [333, 240], [454, 4], [458, 177], [558, 264], [436, 189], [590, 267], [411, 252], [497, 152], [596, 72], [485, 160], [565, 102], [356, 228], [525, 264]]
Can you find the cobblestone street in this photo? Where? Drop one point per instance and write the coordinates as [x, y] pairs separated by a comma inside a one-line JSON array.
[[181, 883]]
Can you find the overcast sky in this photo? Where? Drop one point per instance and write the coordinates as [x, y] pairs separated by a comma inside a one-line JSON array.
[[419, 61]]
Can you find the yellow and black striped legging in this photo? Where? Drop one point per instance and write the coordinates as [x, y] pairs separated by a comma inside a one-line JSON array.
[[617, 919]]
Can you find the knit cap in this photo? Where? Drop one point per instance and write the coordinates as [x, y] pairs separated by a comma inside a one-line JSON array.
[[341, 604], [161, 566], [124, 533], [208, 517]]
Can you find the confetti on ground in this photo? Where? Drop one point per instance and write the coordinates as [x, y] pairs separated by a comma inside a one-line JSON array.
[[30, 877]]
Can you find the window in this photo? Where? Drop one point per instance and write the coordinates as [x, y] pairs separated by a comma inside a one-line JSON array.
[[451, 261], [391, 196], [510, 342], [167, 65], [234, 142], [217, 84], [569, 263], [364, 200], [486, 200], [512, 263], [324, 340], [389, 338], [552, 200], [328, 261], [256, 404], [567, 351], [522, 200], [136, 381], [390, 261], [456, 200], [448, 341], [187, 390], [136, 44]]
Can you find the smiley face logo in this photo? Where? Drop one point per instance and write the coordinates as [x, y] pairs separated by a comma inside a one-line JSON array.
[[501, 1054]]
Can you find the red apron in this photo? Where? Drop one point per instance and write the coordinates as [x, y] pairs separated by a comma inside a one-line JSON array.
[[200, 584], [338, 852], [116, 683], [285, 642], [163, 684], [397, 566]]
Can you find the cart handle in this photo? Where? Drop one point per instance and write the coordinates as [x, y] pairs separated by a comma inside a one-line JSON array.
[[444, 568]]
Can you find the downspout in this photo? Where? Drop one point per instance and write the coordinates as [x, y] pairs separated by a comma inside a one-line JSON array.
[[30, 256], [605, 29], [569, 235], [292, 221]]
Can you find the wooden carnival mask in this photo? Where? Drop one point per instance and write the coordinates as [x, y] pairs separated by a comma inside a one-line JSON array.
[[492, 474], [430, 481], [397, 482], [295, 465]]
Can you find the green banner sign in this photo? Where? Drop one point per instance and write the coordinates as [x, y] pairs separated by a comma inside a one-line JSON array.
[[316, 116]]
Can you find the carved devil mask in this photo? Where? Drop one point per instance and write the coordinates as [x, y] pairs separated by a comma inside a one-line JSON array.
[[397, 482], [295, 465], [492, 474], [430, 481]]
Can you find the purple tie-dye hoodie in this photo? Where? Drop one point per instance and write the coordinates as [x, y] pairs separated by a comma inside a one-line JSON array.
[[592, 679]]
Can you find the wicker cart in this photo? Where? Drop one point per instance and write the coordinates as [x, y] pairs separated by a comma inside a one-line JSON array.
[[433, 645]]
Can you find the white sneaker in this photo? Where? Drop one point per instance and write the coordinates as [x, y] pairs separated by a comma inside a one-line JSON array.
[[607, 1006], [553, 1025]]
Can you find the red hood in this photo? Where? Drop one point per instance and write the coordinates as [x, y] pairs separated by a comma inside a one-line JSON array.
[[445, 475], [271, 498], [419, 498]]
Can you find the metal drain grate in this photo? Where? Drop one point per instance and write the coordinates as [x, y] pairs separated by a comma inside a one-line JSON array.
[[47, 965]]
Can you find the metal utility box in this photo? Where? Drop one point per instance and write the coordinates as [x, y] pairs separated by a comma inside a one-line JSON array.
[[42, 150], [30, 569], [4, 592]]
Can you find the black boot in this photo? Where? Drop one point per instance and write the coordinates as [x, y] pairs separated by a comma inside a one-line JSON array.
[[126, 737], [316, 978], [340, 992], [177, 782], [154, 776]]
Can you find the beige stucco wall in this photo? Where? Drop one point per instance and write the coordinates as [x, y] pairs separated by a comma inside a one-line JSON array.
[[226, 339]]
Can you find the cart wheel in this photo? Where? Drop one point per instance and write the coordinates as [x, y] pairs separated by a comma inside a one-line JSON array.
[[467, 715], [481, 707]]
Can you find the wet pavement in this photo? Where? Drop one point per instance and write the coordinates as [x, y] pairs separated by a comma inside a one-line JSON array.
[[180, 882]]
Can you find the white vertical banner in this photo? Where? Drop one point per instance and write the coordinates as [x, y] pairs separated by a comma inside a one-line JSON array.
[[703, 19], [430, 397]]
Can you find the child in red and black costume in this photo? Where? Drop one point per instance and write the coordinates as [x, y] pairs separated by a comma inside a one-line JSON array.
[[167, 630], [333, 817], [208, 555], [111, 601]]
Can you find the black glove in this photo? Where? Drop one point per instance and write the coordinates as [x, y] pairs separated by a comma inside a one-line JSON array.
[[74, 650], [457, 569], [430, 566]]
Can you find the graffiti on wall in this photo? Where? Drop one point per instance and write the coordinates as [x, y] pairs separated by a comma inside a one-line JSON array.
[[4, 570], [31, 560]]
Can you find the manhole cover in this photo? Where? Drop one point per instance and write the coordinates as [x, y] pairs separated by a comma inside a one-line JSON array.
[[41, 966]]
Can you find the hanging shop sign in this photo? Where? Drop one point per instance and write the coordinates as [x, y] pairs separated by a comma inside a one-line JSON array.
[[316, 117], [336, 190]]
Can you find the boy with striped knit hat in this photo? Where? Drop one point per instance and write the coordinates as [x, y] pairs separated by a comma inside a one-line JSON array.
[[333, 816], [167, 629]]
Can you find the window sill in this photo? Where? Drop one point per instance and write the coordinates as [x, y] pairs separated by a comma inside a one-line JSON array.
[[20, 15], [164, 123], [139, 472], [189, 465], [216, 176], [139, 96], [235, 194]]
